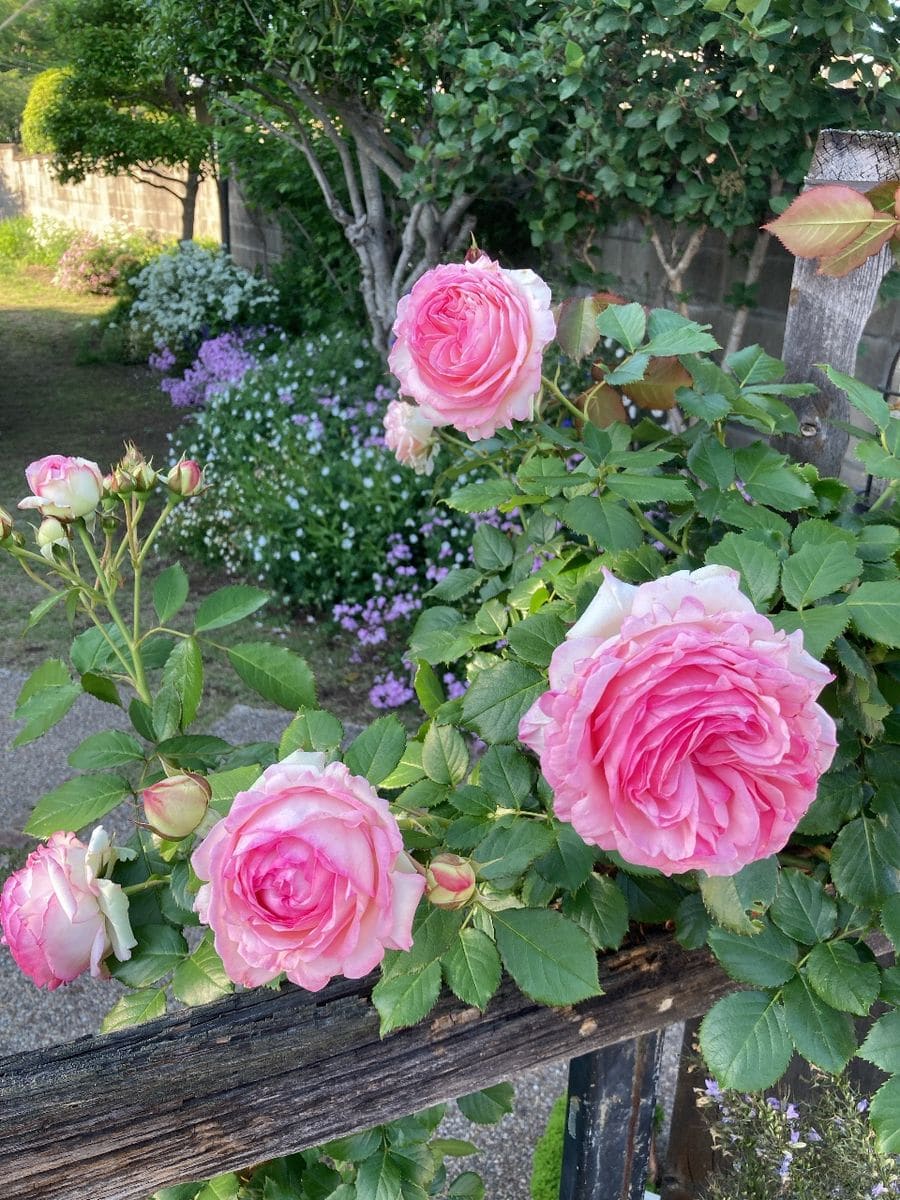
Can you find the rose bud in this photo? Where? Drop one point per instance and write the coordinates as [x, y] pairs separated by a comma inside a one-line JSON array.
[[136, 469], [409, 433], [449, 881], [6, 524], [185, 478], [175, 806], [50, 533], [63, 487]]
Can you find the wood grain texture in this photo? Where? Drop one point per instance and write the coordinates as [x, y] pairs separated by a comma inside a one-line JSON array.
[[262, 1074], [826, 317]]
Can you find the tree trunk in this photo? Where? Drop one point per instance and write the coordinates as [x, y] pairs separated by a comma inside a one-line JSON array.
[[751, 276], [189, 203]]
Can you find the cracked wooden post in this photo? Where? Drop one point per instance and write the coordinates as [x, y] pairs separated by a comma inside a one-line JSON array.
[[609, 1120], [826, 317]]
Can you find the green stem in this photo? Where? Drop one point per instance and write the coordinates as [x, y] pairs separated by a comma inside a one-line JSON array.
[[139, 676], [647, 525], [484, 459], [170, 504], [561, 398], [885, 495], [154, 881]]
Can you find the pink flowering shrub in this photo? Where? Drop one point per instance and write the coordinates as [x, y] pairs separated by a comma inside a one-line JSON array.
[[307, 876], [102, 265], [680, 729]]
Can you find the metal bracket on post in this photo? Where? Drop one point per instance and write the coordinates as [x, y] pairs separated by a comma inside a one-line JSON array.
[[609, 1120]]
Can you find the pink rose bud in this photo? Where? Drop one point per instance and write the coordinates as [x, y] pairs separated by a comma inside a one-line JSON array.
[[449, 881], [50, 533], [175, 806], [185, 478], [60, 917], [307, 875], [469, 345], [6, 524], [409, 433], [680, 728], [63, 487]]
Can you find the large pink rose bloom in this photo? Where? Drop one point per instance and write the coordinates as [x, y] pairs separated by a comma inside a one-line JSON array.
[[63, 487], [307, 876], [680, 728], [470, 339], [59, 917]]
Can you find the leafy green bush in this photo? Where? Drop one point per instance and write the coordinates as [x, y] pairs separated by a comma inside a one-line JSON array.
[[41, 98], [33, 241], [546, 1165], [104, 264]]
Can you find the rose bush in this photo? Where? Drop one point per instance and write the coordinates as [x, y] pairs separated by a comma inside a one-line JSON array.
[[469, 345], [60, 917], [680, 729], [307, 876]]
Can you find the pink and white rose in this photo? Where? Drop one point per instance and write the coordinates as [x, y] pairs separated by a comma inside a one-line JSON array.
[[306, 875], [63, 487], [58, 914], [681, 728], [409, 433], [470, 340]]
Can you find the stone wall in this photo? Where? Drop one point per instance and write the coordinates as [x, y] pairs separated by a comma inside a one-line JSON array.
[[28, 187]]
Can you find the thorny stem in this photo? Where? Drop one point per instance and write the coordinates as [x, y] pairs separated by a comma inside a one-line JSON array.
[[558, 395]]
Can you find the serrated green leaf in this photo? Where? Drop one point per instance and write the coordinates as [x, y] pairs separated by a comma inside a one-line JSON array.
[[42, 709], [498, 698], [434, 932], [672, 334], [159, 950], [228, 605], [467, 1186], [859, 868], [445, 758], [428, 687], [724, 903], [183, 673], [649, 489], [882, 1043], [819, 626], [355, 1148], [863, 398], [276, 673], [608, 523], [222, 1187], [550, 958], [489, 1105], [802, 909], [756, 564], [824, 1037], [875, 611], [766, 958], [102, 687], [41, 609], [840, 977], [170, 592], [534, 639], [839, 797], [512, 845], [569, 862], [506, 775], [601, 910], [404, 1000], [103, 750], [201, 978], [311, 729], [752, 365], [629, 370], [745, 1041], [625, 323], [692, 923], [226, 785], [770, 480], [712, 462], [376, 752], [817, 570], [472, 967], [884, 1113], [491, 549], [77, 803], [135, 1009], [481, 497]]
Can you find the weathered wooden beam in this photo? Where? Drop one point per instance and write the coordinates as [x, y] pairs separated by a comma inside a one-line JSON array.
[[826, 317], [262, 1074], [609, 1120]]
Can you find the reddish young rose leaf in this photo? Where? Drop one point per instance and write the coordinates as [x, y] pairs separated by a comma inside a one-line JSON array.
[[877, 234], [602, 405], [885, 197], [822, 221], [576, 322], [662, 379]]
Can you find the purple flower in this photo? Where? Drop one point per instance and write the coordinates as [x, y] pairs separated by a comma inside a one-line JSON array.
[[390, 692], [712, 1089]]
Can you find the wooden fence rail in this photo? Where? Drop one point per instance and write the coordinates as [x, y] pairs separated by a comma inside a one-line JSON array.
[[261, 1074]]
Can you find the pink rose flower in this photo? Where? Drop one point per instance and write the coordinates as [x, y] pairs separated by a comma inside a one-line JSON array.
[[409, 433], [185, 478], [680, 727], [307, 876], [59, 917], [63, 487], [470, 338]]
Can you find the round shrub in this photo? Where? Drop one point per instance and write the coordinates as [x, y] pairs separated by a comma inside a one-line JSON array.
[[102, 264], [191, 292], [44, 94]]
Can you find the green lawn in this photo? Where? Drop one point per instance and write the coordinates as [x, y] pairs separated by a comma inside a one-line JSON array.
[[50, 402]]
